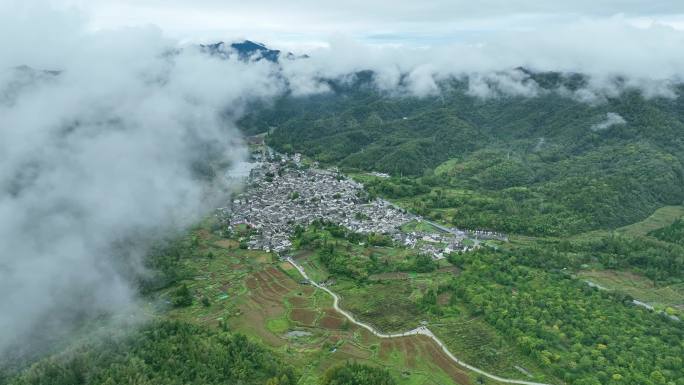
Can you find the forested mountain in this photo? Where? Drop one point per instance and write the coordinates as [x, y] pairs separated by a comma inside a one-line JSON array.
[[247, 50], [551, 163]]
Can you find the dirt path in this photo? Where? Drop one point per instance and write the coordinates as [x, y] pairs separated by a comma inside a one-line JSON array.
[[422, 330]]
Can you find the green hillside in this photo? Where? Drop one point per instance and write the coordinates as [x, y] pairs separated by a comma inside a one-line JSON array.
[[538, 166]]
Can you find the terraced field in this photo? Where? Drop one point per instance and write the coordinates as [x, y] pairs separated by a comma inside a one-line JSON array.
[[387, 302], [251, 293], [662, 217], [639, 287]]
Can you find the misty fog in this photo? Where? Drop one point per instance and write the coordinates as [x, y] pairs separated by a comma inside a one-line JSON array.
[[99, 148]]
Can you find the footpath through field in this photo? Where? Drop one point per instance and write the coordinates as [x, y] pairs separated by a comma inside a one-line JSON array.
[[422, 330]]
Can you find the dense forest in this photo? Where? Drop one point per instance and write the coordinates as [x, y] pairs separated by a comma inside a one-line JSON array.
[[585, 336], [356, 374], [164, 352]]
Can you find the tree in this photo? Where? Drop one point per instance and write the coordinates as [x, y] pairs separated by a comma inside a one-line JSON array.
[[182, 297], [356, 374]]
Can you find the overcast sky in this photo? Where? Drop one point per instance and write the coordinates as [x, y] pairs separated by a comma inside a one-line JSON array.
[[299, 23]]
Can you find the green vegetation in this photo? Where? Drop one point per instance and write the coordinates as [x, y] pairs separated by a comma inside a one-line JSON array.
[[662, 296], [182, 296], [356, 374], [249, 293], [532, 167], [673, 233], [659, 261], [278, 325], [583, 335], [602, 188], [662, 217], [577, 203], [519, 165], [402, 294], [341, 253], [163, 352]]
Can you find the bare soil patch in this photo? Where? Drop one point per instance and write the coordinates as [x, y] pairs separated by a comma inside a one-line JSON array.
[[389, 276], [298, 301], [443, 299], [410, 351], [304, 316], [253, 318], [355, 351], [451, 269], [227, 244], [307, 290], [443, 361], [331, 323], [386, 347], [251, 283], [286, 266]]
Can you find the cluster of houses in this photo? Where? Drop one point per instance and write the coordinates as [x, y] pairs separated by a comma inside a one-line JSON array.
[[282, 194]]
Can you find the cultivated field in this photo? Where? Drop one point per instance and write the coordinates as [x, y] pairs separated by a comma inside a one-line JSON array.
[[250, 292], [662, 217], [639, 287]]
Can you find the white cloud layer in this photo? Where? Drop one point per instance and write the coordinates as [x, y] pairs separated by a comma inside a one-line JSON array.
[[99, 155], [646, 58]]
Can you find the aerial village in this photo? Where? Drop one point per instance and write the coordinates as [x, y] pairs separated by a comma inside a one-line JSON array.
[[282, 193]]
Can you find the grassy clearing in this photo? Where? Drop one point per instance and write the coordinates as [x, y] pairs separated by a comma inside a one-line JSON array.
[[639, 287], [312, 267], [662, 217], [421, 226], [278, 325]]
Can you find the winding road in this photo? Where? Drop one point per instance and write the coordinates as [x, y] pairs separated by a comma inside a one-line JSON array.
[[422, 330]]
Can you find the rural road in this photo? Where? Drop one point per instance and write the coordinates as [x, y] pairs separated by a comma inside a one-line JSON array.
[[422, 330]]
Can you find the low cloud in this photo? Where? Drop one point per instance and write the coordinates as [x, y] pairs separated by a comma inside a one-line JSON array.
[[612, 53], [611, 120], [101, 135], [497, 84]]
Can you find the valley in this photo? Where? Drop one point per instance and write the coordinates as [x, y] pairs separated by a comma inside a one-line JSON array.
[[376, 291], [341, 193]]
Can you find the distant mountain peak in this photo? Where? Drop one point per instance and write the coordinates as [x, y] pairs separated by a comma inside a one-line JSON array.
[[248, 50]]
